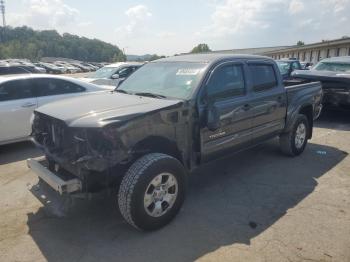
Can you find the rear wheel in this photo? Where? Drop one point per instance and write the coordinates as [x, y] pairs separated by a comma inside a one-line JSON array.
[[152, 191], [294, 142]]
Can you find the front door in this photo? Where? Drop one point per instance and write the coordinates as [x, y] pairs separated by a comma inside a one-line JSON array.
[[227, 92], [17, 104]]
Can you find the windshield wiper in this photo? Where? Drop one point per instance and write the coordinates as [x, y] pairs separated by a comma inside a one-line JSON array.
[[149, 95], [121, 91]]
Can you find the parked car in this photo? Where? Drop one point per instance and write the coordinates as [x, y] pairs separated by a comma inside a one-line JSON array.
[[82, 67], [334, 73], [20, 95], [51, 68], [306, 65], [112, 74], [169, 117], [17, 69], [286, 67], [70, 69], [33, 68]]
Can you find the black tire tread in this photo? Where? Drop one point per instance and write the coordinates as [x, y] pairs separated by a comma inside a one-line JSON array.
[[129, 181], [286, 139]]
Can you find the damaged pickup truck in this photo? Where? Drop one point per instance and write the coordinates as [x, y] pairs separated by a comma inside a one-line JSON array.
[[168, 118]]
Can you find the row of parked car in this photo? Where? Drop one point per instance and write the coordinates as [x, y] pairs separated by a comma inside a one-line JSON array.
[[20, 66], [21, 94]]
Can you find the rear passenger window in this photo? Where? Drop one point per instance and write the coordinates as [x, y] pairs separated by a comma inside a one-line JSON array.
[[264, 77], [50, 87], [12, 90], [226, 82]]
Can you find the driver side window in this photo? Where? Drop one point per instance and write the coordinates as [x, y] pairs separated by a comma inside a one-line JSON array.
[[227, 82]]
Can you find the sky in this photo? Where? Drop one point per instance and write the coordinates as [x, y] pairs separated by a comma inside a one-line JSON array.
[[167, 27]]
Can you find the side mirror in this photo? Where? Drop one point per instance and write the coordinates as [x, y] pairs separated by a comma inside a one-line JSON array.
[[115, 76], [213, 117]]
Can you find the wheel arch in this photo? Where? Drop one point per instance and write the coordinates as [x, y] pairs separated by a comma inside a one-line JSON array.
[[307, 110], [157, 144]]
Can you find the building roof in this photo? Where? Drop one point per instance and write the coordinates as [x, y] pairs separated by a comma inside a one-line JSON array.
[[341, 41]]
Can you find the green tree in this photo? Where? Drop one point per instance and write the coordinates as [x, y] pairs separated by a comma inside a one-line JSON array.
[[300, 43], [119, 57], [201, 48], [156, 57], [24, 42]]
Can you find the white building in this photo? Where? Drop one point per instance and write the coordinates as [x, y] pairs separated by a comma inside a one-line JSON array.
[[313, 52]]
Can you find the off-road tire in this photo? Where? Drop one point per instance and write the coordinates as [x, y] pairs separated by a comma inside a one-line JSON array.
[[287, 140], [134, 185]]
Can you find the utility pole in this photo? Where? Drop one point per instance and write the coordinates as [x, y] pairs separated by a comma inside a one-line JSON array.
[[2, 10]]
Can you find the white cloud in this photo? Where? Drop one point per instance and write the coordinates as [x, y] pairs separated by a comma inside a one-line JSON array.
[[235, 15], [337, 5], [138, 12], [46, 14], [296, 6], [243, 23], [165, 35], [137, 16]]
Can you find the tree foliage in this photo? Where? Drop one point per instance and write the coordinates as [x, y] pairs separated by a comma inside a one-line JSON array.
[[300, 43], [24, 42], [201, 48], [156, 57]]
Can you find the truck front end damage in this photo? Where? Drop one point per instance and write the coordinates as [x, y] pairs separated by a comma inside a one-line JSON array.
[[86, 154]]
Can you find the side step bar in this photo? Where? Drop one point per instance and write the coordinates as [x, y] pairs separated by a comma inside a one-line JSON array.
[[54, 181]]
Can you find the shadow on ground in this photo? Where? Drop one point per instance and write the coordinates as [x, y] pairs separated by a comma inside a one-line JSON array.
[[230, 201], [17, 152]]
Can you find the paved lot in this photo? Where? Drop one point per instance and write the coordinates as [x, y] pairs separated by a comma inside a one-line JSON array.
[[254, 206]]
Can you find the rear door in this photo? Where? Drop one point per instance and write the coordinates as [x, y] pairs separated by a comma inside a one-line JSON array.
[[227, 90], [51, 89], [17, 103], [269, 101]]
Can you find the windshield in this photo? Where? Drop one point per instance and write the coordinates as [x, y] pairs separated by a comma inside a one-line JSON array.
[[169, 79], [283, 67], [332, 66], [104, 72]]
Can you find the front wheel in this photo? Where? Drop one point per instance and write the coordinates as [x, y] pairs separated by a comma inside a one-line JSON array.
[[152, 191], [294, 142]]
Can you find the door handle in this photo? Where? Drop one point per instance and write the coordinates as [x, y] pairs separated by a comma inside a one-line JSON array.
[[29, 104]]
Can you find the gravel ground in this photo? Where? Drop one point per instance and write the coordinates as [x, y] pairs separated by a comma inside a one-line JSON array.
[[254, 206]]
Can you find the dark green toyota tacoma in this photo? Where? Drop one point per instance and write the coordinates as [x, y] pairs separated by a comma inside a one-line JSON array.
[[165, 120]]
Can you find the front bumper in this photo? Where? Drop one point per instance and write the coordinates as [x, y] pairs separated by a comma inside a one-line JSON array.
[[60, 183]]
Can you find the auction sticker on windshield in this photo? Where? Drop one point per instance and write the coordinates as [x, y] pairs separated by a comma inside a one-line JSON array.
[[188, 72]]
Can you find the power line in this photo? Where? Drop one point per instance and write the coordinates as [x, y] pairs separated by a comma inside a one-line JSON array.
[[2, 10]]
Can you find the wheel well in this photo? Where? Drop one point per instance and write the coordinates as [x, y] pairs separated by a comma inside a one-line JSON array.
[[155, 144], [308, 112]]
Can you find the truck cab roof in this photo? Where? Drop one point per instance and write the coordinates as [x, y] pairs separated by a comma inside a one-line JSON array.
[[210, 58]]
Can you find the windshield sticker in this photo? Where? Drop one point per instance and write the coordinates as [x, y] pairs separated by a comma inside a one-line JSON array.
[[187, 72]]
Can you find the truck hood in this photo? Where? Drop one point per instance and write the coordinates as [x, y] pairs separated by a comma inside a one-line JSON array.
[[97, 110]]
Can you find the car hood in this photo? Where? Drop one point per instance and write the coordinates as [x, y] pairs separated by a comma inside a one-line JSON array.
[[97, 110]]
